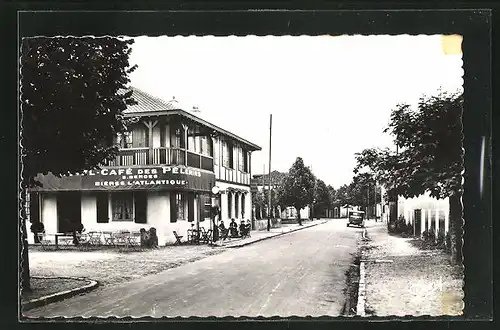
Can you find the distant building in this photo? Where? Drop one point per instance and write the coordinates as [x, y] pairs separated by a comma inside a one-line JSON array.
[[260, 183], [423, 212]]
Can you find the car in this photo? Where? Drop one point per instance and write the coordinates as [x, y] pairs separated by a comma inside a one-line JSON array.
[[356, 218]]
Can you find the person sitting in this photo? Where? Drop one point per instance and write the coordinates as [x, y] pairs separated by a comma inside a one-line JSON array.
[[242, 229], [248, 227], [233, 227], [223, 230]]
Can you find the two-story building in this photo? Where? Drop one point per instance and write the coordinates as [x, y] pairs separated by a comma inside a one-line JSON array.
[[162, 177]]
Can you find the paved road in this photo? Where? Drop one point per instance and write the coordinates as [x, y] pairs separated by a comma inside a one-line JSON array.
[[301, 273]]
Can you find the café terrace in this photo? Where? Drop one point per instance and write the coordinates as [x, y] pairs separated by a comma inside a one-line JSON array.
[[162, 177]]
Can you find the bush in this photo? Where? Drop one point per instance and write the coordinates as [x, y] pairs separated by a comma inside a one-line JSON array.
[[441, 239], [37, 227]]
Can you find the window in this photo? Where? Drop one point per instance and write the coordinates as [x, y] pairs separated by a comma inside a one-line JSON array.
[[216, 152], [177, 138], [180, 206], [229, 204], [227, 160], [124, 140], [122, 206], [241, 162], [206, 205], [245, 161]]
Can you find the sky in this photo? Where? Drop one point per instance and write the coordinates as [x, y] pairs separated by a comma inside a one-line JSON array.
[[329, 96]]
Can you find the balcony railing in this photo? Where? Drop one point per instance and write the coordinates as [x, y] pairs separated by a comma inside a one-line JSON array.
[[161, 156]]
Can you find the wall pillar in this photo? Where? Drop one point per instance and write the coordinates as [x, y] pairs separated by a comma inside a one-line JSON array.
[[446, 221], [422, 222], [436, 219]]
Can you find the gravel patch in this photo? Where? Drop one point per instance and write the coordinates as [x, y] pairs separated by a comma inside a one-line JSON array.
[[110, 267], [46, 286], [404, 280]]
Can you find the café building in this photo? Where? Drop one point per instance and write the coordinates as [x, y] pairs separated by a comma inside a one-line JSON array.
[[162, 177]]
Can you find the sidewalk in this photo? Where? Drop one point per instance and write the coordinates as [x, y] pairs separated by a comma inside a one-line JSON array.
[[264, 234], [401, 279]]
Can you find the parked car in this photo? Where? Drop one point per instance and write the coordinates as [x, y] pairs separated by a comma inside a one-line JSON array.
[[356, 218]]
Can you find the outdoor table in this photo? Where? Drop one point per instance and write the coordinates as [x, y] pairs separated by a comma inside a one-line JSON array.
[[57, 235], [109, 238], [94, 238]]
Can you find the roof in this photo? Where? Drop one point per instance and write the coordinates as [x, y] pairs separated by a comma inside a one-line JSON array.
[[263, 179], [148, 105]]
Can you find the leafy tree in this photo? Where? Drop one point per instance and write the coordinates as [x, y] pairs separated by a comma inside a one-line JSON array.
[[381, 163], [321, 198], [298, 187], [431, 155], [363, 191], [258, 201], [72, 99]]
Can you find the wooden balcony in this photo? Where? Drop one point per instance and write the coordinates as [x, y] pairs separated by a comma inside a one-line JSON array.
[[161, 156]]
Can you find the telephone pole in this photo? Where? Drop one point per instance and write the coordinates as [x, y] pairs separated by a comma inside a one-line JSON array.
[[269, 169]]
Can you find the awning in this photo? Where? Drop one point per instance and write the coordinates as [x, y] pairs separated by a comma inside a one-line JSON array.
[[135, 178], [237, 190]]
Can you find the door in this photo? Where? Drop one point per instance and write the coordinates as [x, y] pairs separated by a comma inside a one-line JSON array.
[[417, 223], [69, 211]]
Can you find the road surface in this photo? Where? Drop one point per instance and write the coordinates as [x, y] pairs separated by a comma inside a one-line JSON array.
[[301, 273]]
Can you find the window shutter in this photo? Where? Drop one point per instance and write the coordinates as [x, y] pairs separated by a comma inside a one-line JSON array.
[[191, 207], [102, 208], [173, 207], [34, 207], [141, 205]]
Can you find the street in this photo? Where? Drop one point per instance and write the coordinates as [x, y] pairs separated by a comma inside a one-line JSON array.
[[301, 273]]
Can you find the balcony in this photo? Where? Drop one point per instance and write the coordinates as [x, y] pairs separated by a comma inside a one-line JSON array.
[[161, 156]]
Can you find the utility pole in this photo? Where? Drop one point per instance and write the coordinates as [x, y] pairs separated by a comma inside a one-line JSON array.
[[375, 201], [269, 169], [368, 202]]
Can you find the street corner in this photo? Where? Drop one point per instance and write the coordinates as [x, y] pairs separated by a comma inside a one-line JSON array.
[[46, 290]]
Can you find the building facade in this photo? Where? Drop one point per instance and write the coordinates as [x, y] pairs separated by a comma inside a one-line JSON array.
[[162, 177]]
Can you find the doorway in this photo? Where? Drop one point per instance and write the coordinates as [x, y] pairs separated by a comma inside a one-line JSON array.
[[69, 211], [417, 216]]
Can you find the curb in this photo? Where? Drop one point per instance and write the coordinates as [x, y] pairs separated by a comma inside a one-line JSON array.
[[278, 234], [360, 307], [34, 303]]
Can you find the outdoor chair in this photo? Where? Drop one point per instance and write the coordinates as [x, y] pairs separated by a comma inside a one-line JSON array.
[[224, 234], [122, 238], [84, 241], [44, 242], [134, 240], [205, 235], [178, 238], [65, 240]]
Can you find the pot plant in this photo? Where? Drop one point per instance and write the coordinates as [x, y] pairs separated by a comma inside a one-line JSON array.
[[36, 228]]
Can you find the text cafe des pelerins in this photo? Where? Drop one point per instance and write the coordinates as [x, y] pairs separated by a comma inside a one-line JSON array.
[[142, 176]]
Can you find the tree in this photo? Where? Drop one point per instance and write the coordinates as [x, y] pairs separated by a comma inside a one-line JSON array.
[[431, 155], [258, 202], [72, 101], [381, 163], [321, 198], [298, 187]]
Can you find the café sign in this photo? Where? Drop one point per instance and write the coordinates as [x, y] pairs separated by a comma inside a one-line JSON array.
[[151, 178]]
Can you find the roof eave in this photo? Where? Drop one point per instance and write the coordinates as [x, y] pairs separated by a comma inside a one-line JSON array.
[[253, 147]]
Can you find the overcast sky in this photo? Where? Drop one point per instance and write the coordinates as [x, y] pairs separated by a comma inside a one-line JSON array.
[[330, 97]]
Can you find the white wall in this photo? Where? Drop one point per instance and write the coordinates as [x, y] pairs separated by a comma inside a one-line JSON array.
[[224, 207], [49, 212], [156, 136]]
